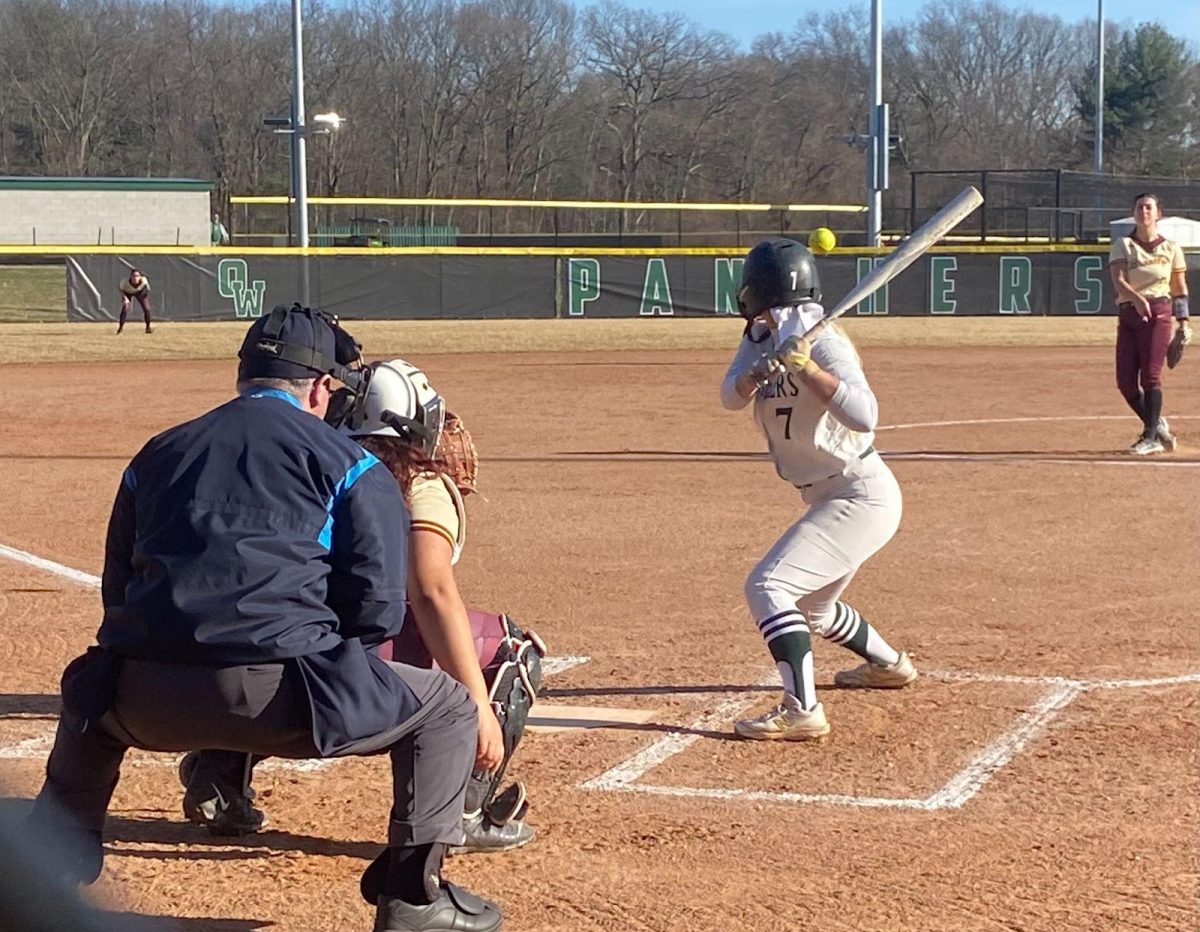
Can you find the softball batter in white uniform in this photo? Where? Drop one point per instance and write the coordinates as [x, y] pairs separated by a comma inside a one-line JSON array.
[[819, 415]]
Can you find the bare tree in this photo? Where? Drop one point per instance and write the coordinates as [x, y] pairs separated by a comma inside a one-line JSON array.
[[530, 98]]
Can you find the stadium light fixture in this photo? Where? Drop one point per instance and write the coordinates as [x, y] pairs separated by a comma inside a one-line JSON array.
[[328, 121]]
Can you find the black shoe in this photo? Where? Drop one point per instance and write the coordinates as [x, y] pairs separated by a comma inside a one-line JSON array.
[[225, 810], [486, 837], [455, 910]]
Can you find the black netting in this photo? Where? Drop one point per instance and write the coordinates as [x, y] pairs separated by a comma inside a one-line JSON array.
[[1047, 204]]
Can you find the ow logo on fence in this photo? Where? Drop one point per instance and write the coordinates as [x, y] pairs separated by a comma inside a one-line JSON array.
[[233, 283]]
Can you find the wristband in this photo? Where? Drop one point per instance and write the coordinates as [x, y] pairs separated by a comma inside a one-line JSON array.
[[1180, 307]]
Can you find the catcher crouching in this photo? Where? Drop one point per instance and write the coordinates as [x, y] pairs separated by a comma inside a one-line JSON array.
[[404, 422]]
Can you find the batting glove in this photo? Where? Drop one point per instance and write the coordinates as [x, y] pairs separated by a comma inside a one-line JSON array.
[[796, 353], [765, 369]]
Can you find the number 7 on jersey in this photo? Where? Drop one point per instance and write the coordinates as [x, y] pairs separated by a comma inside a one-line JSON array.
[[787, 424]]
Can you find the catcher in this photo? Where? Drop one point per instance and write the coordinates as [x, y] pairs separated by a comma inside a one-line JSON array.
[[403, 421]]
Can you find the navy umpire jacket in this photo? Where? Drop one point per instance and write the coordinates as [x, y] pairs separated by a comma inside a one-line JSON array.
[[259, 534]]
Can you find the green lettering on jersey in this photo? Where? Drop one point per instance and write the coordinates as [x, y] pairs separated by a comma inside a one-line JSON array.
[[1016, 281], [656, 292], [727, 275], [583, 284], [941, 285], [1089, 271], [233, 282]]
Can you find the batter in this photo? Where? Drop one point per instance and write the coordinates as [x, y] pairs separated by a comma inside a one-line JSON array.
[[818, 414]]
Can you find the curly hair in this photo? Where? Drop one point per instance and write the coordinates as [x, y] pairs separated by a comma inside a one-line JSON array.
[[403, 460]]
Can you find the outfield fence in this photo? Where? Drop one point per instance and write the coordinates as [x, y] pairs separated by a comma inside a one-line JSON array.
[[474, 284]]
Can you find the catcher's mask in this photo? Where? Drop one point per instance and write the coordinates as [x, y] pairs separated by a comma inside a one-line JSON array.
[[398, 402], [295, 342], [778, 272]]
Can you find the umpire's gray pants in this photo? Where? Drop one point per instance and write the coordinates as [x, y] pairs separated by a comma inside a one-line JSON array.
[[263, 710]]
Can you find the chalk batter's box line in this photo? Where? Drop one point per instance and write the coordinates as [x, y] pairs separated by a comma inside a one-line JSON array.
[[1058, 693], [38, 747]]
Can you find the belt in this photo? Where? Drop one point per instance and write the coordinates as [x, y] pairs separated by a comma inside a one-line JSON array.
[[862, 456]]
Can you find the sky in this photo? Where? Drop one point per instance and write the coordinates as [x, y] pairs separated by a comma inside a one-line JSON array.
[[747, 19]]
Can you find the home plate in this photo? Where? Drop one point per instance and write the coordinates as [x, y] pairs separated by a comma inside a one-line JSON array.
[[548, 718]]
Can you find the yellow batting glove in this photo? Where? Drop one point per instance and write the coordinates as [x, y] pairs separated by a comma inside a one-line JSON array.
[[796, 353]]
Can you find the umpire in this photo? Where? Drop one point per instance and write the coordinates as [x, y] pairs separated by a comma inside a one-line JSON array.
[[254, 559]]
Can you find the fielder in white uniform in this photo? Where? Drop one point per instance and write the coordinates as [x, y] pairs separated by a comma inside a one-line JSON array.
[[819, 415]]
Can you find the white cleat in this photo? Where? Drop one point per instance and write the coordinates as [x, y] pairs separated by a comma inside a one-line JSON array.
[[1147, 446], [878, 676], [783, 723], [1165, 437]]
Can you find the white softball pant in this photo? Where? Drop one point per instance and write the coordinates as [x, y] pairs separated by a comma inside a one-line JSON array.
[[849, 518]]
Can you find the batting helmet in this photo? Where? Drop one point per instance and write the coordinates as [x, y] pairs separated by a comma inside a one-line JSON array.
[[778, 272], [398, 402]]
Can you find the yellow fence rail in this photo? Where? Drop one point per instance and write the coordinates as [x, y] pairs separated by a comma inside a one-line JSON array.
[[564, 205]]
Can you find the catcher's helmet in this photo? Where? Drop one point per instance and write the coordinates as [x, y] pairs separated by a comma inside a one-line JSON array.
[[398, 402], [778, 272]]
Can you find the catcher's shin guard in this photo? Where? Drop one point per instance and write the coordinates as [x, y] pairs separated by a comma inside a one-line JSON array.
[[514, 677]]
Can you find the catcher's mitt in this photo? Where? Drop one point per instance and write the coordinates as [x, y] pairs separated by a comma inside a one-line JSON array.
[[1181, 339], [456, 456]]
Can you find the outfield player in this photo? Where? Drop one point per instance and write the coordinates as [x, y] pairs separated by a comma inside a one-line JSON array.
[[1150, 276], [818, 414], [136, 286]]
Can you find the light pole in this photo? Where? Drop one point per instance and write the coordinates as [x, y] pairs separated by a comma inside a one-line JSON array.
[[324, 123], [877, 151], [299, 155], [1099, 86], [298, 129]]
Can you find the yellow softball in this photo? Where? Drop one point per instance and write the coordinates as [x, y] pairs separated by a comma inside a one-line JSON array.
[[821, 241]]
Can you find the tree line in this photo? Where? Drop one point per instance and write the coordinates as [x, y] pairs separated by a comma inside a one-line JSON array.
[[538, 99]]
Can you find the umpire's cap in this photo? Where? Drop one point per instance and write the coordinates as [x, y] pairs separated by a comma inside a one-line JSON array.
[[297, 343], [777, 272]]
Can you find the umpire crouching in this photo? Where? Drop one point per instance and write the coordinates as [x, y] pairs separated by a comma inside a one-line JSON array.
[[254, 559]]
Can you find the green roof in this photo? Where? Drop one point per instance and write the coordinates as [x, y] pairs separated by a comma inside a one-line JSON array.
[[50, 183]]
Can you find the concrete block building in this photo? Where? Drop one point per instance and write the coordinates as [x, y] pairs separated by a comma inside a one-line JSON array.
[[47, 211]]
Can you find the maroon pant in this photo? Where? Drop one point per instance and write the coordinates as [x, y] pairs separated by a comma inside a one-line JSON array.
[[141, 298], [1142, 347]]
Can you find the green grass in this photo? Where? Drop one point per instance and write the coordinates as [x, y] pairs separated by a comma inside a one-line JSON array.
[[32, 294]]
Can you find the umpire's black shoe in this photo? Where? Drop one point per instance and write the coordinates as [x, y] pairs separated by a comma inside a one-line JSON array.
[[225, 810], [455, 910], [225, 813]]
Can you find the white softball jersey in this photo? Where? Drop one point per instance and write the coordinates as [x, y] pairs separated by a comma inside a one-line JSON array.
[[809, 441], [825, 450]]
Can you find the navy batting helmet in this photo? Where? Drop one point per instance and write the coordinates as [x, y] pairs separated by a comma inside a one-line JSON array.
[[778, 272]]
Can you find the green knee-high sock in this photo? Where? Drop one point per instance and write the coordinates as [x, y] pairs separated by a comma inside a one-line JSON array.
[[790, 644], [851, 630]]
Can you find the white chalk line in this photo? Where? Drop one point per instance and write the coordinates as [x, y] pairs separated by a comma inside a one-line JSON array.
[[972, 778], [1026, 420], [991, 760], [38, 748], [955, 793], [623, 775], [50, 566], [1013, 459], [552, 666]]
